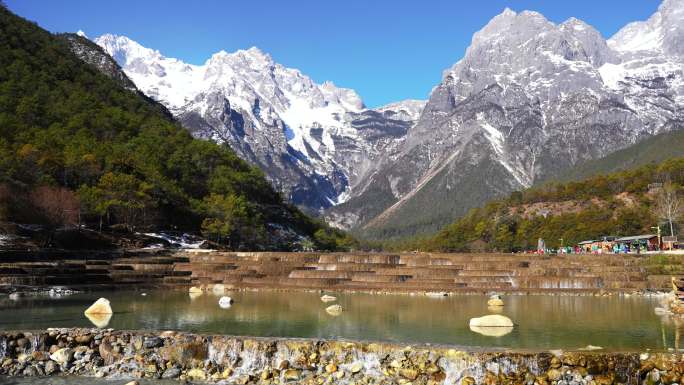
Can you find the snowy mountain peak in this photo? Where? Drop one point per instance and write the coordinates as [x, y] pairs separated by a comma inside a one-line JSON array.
[[81, 34], [409, 109], [575, 24], [663, 32], [125, 50], [525, 22]]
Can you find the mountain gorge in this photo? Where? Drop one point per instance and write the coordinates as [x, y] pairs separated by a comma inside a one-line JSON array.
[[529, 100]]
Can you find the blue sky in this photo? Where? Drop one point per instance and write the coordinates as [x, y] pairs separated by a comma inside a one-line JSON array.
[[385, 50]]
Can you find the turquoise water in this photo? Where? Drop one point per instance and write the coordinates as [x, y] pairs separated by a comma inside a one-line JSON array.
[[542, 322]]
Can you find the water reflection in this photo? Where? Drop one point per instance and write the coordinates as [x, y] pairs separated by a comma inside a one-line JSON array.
[[542, 322]]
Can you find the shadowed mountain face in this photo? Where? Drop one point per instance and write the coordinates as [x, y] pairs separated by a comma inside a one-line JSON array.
[[529, 100]]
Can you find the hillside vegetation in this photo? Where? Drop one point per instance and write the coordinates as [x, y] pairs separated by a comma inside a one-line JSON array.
[[615, 204], [77, 147]]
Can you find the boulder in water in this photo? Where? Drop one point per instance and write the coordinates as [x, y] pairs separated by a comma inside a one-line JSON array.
[[225, 302], [495, 309], [328, 298], [495, 302], [62, 356], [492, 320], [99, 320], [334, 310], [101, 306], [492, 331], [195, 289]]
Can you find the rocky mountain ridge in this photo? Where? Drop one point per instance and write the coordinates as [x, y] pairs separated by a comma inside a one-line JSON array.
[[313, 141], [529, 99]]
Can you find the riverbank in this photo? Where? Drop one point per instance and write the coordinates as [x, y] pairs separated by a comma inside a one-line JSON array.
[[246, 360]]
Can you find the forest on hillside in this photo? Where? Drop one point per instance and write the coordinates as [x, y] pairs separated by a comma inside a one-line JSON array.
[[623, 203], [78, 149]]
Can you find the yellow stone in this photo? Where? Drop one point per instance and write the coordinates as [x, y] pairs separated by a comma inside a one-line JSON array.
[[101, 306], [495, 302], [356, 367], [196, 374]]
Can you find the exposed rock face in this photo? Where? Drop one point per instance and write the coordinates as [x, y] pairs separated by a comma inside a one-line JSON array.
[[94, 55], [313, 141], [222, 359], [529, 99]]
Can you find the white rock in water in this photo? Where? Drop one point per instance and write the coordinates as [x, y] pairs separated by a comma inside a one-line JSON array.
[[225, 302], [195, 289], [328, 298], [219, 288], [591, 347], [495, 302], [334, 310], [101, 306], [492, 331], [14, 296], [661, 311], [492, 320], [62, 356], [99, 320], [144, 294]]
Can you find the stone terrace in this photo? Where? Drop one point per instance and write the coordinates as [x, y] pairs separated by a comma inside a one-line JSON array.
[[421, 272], [97, 269], [335, 271]]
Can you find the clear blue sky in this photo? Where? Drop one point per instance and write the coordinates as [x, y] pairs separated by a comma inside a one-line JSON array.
[[386, 50]]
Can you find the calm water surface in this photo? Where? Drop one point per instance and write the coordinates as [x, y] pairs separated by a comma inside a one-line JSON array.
[[542, 322]]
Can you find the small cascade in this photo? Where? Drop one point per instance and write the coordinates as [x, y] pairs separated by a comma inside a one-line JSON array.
[[3, 346]]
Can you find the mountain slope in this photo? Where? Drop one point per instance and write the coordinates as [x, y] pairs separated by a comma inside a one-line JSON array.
[[653, 150], [611, 204], [529, 100], [78, 145], [313, 141]]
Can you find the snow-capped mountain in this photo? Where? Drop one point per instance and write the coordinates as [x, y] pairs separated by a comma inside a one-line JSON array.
[[528, 99], [310, 139]]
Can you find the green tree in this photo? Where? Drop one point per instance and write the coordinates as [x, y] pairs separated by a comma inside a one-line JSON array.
[[231, 220]]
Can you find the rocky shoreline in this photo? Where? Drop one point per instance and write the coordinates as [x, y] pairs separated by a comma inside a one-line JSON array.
[[122, 355]]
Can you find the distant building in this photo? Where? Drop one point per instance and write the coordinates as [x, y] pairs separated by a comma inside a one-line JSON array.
[[670, 243], [637, 243], [602, 245]]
